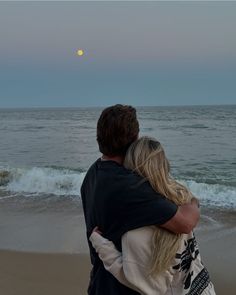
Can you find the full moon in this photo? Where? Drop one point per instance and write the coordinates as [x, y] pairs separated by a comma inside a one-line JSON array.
[[80, 52]]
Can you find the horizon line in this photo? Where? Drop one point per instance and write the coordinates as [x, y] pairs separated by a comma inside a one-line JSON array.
[[104, 106]]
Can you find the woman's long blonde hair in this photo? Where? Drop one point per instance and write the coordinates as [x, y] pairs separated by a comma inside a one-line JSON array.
[[146, 157]]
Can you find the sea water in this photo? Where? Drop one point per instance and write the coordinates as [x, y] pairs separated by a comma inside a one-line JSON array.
[[45, 153]]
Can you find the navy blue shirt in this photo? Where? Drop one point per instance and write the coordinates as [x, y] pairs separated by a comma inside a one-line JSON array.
[[118, 200]]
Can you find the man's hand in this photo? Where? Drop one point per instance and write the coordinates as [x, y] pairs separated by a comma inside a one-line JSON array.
[[195, 201], [185, 219]]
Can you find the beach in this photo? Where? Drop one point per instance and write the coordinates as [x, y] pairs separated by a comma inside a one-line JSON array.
[[62, 64], [60, 273], [24, 273], [44, 157], [43, 274]]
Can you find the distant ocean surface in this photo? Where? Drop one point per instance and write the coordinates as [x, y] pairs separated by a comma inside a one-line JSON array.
[[45, 153]]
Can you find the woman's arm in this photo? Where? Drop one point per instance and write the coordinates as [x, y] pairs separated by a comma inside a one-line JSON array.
[[129, 271], [111, 258]]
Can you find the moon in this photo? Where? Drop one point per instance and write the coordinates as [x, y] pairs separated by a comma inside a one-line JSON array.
[[80, 52]]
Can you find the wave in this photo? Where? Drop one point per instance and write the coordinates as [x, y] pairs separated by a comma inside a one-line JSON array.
[[195, 126], [214, 195], [39, 180], [65, 181]]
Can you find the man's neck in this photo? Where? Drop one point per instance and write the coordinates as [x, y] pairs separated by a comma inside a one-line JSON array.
[[117, 159]]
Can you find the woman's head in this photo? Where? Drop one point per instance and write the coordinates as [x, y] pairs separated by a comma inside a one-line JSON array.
[[146, 157]]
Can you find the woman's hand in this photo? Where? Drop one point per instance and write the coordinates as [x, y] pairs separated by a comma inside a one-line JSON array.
[[96, 230]]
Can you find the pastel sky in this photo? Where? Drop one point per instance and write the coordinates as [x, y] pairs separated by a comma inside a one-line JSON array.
[[140, 53]]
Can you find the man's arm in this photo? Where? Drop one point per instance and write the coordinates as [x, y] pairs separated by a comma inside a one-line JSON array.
[[185, 219]]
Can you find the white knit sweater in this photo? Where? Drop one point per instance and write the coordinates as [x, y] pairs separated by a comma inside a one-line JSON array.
[[187, 275]]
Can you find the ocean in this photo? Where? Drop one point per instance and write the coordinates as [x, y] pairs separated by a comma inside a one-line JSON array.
[[45, 153]]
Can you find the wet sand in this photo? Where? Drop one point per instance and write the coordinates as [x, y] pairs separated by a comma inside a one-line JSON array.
[[31, 273], [44, 251], [218, 254]]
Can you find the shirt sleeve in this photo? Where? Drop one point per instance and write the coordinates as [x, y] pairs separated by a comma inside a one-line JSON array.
[[112, 258], [142, 206], [148, 212]]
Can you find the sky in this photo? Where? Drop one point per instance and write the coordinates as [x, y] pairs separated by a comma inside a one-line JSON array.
[[139, 53]]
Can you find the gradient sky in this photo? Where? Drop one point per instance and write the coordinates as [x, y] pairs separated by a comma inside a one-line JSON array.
[[140, 53]]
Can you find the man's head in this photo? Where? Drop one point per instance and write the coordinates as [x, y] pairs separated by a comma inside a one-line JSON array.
[[117, 128]]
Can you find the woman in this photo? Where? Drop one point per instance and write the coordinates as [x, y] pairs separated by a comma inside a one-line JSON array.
[[153, 260]]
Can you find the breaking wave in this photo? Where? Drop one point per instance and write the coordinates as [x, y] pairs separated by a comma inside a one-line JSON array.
[[215, 195], [62, 181], [42, 180]]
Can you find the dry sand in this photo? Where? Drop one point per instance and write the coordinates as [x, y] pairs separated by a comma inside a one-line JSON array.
[[25, 273]]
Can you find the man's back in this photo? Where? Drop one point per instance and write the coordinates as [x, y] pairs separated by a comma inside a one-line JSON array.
[[116, 200], [94, 191]]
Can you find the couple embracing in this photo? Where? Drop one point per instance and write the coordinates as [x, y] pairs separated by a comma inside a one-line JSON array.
[[139, 219]]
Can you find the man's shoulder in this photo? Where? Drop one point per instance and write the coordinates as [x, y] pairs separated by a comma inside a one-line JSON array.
[[93, 166], [117, 178], [92, 169], [89, 175], [109, 169], [106, 171]]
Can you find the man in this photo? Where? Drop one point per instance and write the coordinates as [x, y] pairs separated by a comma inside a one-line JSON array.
[[117, 200]]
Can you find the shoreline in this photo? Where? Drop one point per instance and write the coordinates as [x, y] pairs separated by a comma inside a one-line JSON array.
[[58, 227], [43, 247], [41, 273]]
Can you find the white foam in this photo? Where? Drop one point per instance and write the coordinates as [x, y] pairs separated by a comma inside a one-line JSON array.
[[6, 197], [45, 180], [213, 194], [68, 182]]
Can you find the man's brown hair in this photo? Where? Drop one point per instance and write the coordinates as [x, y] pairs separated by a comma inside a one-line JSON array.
[[117, 128]]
